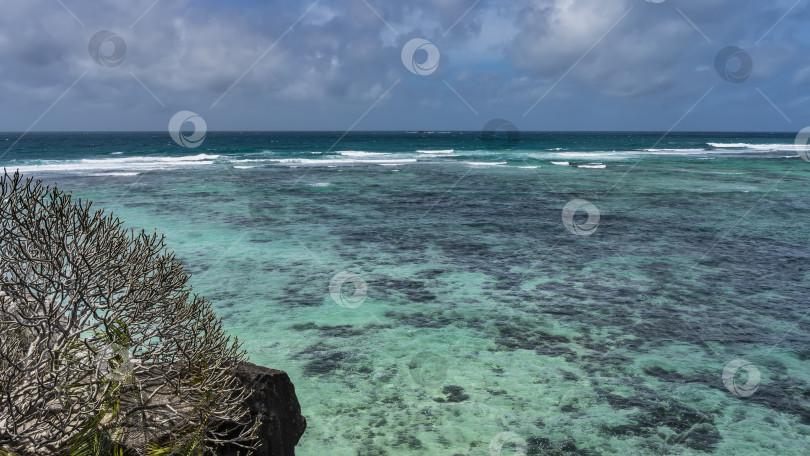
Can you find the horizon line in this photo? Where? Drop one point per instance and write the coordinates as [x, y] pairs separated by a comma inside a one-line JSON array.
[[4, 132]]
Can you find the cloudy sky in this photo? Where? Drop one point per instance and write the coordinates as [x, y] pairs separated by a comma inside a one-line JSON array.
[[341, 64]]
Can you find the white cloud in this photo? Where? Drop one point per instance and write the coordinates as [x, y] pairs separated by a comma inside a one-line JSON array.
[[343, 56]]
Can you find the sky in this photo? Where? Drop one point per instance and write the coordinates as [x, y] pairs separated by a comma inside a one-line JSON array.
[[544, 65]]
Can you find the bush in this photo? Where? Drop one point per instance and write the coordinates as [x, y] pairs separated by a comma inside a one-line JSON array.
[[103, 347]]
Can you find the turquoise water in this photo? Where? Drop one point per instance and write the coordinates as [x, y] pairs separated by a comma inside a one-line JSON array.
[[471, 320]]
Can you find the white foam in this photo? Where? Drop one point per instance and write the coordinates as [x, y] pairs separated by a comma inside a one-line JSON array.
[[447, 151], [737, 145], [675, 151], [339, 161], [148, 159], [630, 154], [117, 153], [360, 153], [320, 184], [528, 167], [759, 147], [485, 163], [128, 164], [113, 174], [560, 163], [394, 162], [242, 167], [593, 166], [605, 155]]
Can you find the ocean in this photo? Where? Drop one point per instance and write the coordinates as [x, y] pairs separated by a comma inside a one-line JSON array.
[[453, 293]]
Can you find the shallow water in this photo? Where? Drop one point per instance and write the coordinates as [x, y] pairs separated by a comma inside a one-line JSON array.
[[483, 320]]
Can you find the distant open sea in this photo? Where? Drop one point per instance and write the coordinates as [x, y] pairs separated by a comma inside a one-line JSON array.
[[429, 295]]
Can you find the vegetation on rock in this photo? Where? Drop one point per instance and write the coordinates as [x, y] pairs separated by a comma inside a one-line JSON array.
[[103, 347]]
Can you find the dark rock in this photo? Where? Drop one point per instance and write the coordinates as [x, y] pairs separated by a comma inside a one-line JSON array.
[[453, 393], [273, 399]]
